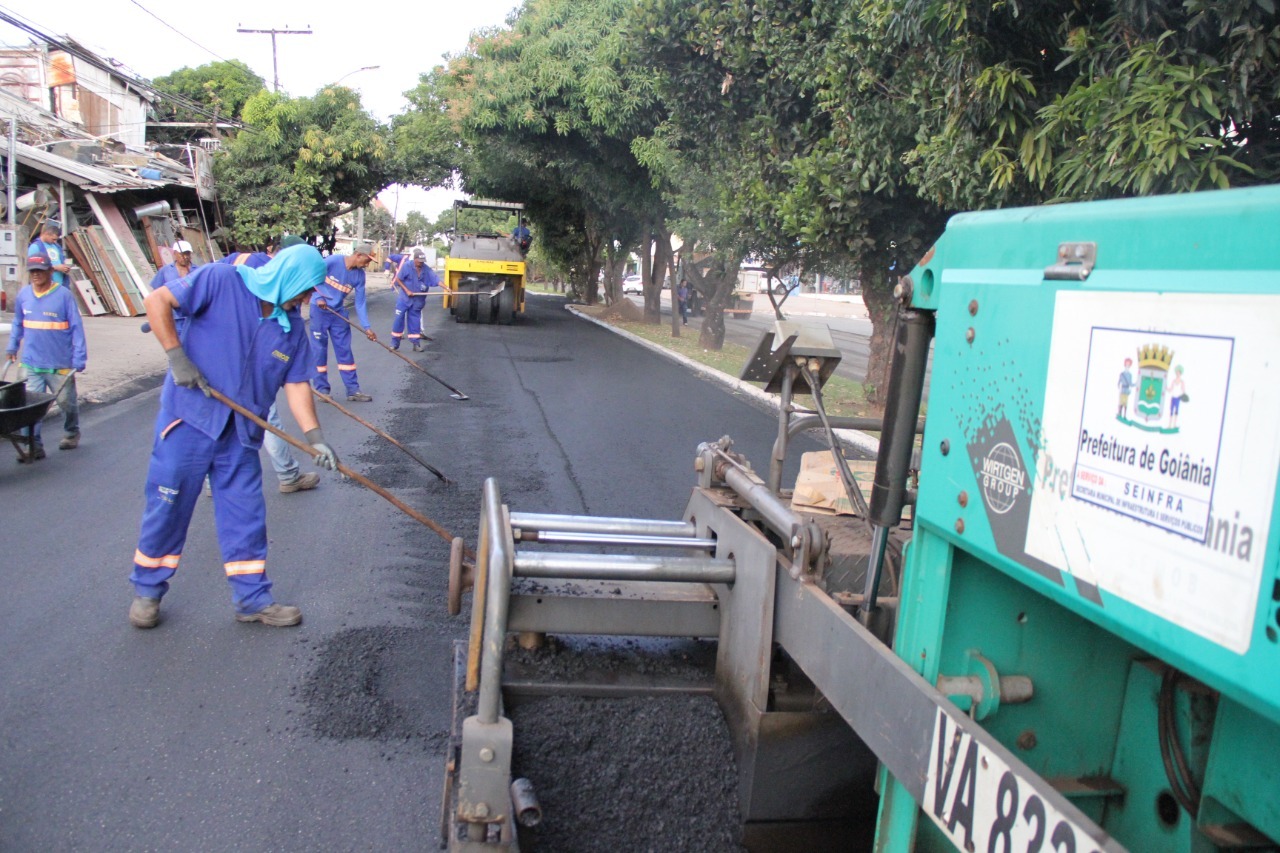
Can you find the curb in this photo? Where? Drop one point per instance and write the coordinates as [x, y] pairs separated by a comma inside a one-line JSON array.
[[852, 439]]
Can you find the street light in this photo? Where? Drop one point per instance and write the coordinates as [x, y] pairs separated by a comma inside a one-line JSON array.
[[357, 71]]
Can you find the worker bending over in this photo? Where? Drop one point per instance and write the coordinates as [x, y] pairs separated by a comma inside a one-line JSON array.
[[245, 337], [286, 467], [412, 281], [344, 275]]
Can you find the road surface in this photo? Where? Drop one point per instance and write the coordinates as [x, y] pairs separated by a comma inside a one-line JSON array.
[[208, 734]]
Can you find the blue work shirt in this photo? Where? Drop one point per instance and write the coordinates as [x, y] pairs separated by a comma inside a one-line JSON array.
[[246, 357], [248, 259], [338, 283], [166, 274], [410, 278], [49, 330], [53, 252], [392, 262]]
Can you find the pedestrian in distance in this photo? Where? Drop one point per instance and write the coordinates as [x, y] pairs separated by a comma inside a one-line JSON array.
[[413, 279], [682, 296], [181, 265], [344, 276], [282, 462], [46, 245], [244, 337], [48, 331]]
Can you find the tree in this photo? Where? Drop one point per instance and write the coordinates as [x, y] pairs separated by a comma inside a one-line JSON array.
[[546, 112], [415, 230], [377, 223], [303, 162], [222, 87]]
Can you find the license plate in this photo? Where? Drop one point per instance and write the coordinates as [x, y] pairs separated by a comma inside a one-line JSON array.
[[982, 805]]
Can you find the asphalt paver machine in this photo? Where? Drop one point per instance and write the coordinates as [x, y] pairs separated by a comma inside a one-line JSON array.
[[1075, 647], [484, 275]]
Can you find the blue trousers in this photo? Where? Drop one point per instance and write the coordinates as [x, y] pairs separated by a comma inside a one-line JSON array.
[[408, 314], [181, 457], [65, 385], [325, 327]]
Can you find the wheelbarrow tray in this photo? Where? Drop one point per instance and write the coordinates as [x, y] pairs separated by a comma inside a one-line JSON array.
[[13, 420]]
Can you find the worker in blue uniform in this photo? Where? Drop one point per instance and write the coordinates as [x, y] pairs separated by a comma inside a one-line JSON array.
[[181, 265], [245, 337], [412, 281], [392, 263], [46, 245], [282, 462], [47, 328], [344, 276], [522, 237]]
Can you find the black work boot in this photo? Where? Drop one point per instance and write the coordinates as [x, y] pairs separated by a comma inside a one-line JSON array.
[[275, 615], [144, 612]]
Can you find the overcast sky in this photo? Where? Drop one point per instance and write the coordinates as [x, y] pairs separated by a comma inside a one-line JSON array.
[[403, 39]]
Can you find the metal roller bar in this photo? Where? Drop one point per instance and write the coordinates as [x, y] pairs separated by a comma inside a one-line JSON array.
[[594, 524], [562, 538], [496, 604], [624, 567], [773, 510]]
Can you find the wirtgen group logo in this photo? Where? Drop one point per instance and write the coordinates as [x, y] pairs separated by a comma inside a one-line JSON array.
[[1003, 478]]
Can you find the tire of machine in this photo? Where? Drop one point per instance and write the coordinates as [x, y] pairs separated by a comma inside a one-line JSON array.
[[506, 305], [465, 302]]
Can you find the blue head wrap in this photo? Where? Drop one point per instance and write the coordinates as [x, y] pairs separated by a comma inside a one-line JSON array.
[[292, 272]]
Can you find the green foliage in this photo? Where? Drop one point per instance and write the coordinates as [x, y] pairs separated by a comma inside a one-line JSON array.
[[305, 161], [415, 230], [223, 87], [545, 113], [377, 223]]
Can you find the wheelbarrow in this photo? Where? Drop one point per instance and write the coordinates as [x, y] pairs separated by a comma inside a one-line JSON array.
[[20, 409]]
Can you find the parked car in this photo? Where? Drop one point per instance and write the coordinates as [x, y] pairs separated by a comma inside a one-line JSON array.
[[632, 284], [786, 286]]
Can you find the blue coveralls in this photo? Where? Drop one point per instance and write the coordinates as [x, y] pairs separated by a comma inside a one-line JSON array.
[[50, 332], [55, 255], [169, 272], [409, 280], [338, 282], [249, 359]]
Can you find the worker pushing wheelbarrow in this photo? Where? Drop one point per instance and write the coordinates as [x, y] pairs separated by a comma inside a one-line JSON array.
[[48, 340]]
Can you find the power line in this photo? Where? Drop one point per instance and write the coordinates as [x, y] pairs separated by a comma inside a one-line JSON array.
[[178, 31], [275, 67]]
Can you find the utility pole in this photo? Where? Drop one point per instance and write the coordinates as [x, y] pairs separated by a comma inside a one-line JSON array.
[[275, 67]]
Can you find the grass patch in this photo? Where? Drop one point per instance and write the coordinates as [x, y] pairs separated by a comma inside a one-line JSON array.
[[843, 397]]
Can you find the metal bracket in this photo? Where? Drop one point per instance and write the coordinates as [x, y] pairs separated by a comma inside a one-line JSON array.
[[1075, 262], [484, 775]]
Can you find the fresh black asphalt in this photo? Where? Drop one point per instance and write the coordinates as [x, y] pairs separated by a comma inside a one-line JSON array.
[[208, 734]]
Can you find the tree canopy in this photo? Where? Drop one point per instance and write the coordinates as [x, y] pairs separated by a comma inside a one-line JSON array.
[[222, 87], [816, 134], [302, 162]]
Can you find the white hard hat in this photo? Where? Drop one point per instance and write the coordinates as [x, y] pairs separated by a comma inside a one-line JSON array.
[[182, 246]]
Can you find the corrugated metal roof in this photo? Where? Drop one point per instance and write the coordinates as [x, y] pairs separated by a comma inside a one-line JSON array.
[[84, 175]]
